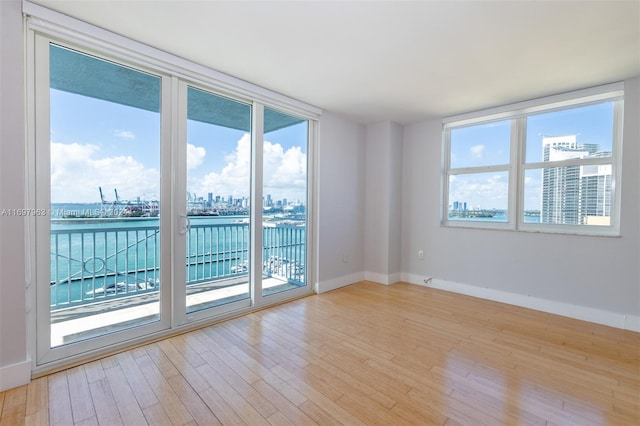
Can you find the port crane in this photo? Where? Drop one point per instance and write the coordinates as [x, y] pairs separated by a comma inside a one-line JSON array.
[[104, 210]]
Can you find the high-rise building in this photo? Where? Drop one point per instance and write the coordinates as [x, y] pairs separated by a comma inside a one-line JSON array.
[[574, 195], [595, 194]]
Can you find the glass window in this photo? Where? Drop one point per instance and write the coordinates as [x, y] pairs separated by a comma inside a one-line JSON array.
[[479, 197], [478, 181], [481, 145], [577, 194], [570, 195], [570, 133], [563, 180]]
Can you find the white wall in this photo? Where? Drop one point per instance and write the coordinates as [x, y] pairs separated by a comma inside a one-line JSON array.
[[593, 278], [395, 202], [341, 200], [14, 364], [383, 202]]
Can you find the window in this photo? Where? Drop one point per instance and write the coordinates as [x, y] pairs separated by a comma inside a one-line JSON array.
[[479, 174], [549, 165]]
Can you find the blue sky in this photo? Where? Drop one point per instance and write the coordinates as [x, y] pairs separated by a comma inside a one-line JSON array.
[[98, 143], [488, 144]]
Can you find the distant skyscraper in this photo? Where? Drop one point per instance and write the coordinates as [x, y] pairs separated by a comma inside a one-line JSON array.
[[595, 194], [573, 194]]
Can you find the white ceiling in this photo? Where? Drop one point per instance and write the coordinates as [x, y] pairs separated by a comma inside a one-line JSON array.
[[393, 60]]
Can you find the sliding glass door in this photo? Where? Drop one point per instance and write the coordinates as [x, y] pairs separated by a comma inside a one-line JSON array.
[[161, 201], [98, 162], [284, 221], [237, 255], [218, 191]]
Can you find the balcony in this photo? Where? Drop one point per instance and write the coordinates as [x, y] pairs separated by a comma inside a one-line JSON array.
[[105, 274]]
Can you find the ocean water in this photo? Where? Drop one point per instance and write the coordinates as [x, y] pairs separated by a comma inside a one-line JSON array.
[[93, 258], [499, 217]]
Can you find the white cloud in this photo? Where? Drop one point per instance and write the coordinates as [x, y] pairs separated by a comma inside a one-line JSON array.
[[284, 173], [77, 172], [195, 155], [491, 190], [532, 192], [480, 191], [124, 134], [477, 151]]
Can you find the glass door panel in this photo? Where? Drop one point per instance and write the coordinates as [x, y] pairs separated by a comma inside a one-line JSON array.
[[284, 222], [218, 193], [104, 158]]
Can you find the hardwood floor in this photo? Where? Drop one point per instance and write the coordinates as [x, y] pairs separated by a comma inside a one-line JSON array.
[[363, 354]]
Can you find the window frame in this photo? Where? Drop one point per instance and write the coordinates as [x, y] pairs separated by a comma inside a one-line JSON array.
[[518, 165]]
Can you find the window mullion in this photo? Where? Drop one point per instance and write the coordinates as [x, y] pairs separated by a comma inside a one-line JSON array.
[[569, 163], [446, 163], [518, 154], [257, 143], [616, 176], [480, 169]]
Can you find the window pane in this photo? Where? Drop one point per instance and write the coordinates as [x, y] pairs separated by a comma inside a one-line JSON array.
[[576, 195], [582, 132], [284, 202], [479, 197], [482, 145], [218, 191], [105, 196]]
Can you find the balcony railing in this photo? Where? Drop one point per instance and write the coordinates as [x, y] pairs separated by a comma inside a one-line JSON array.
[[92, 263]]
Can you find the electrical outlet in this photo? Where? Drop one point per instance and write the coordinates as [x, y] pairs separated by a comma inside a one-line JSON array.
[[420, 255], [345, 258]]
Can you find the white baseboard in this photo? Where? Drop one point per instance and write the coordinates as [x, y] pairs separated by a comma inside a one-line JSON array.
[[15, 375], [632, 322], [584, 313], [395, 278], [382, 278], [328, 285], [324, 286]]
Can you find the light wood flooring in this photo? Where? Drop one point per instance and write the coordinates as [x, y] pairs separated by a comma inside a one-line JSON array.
[[363, 354]]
